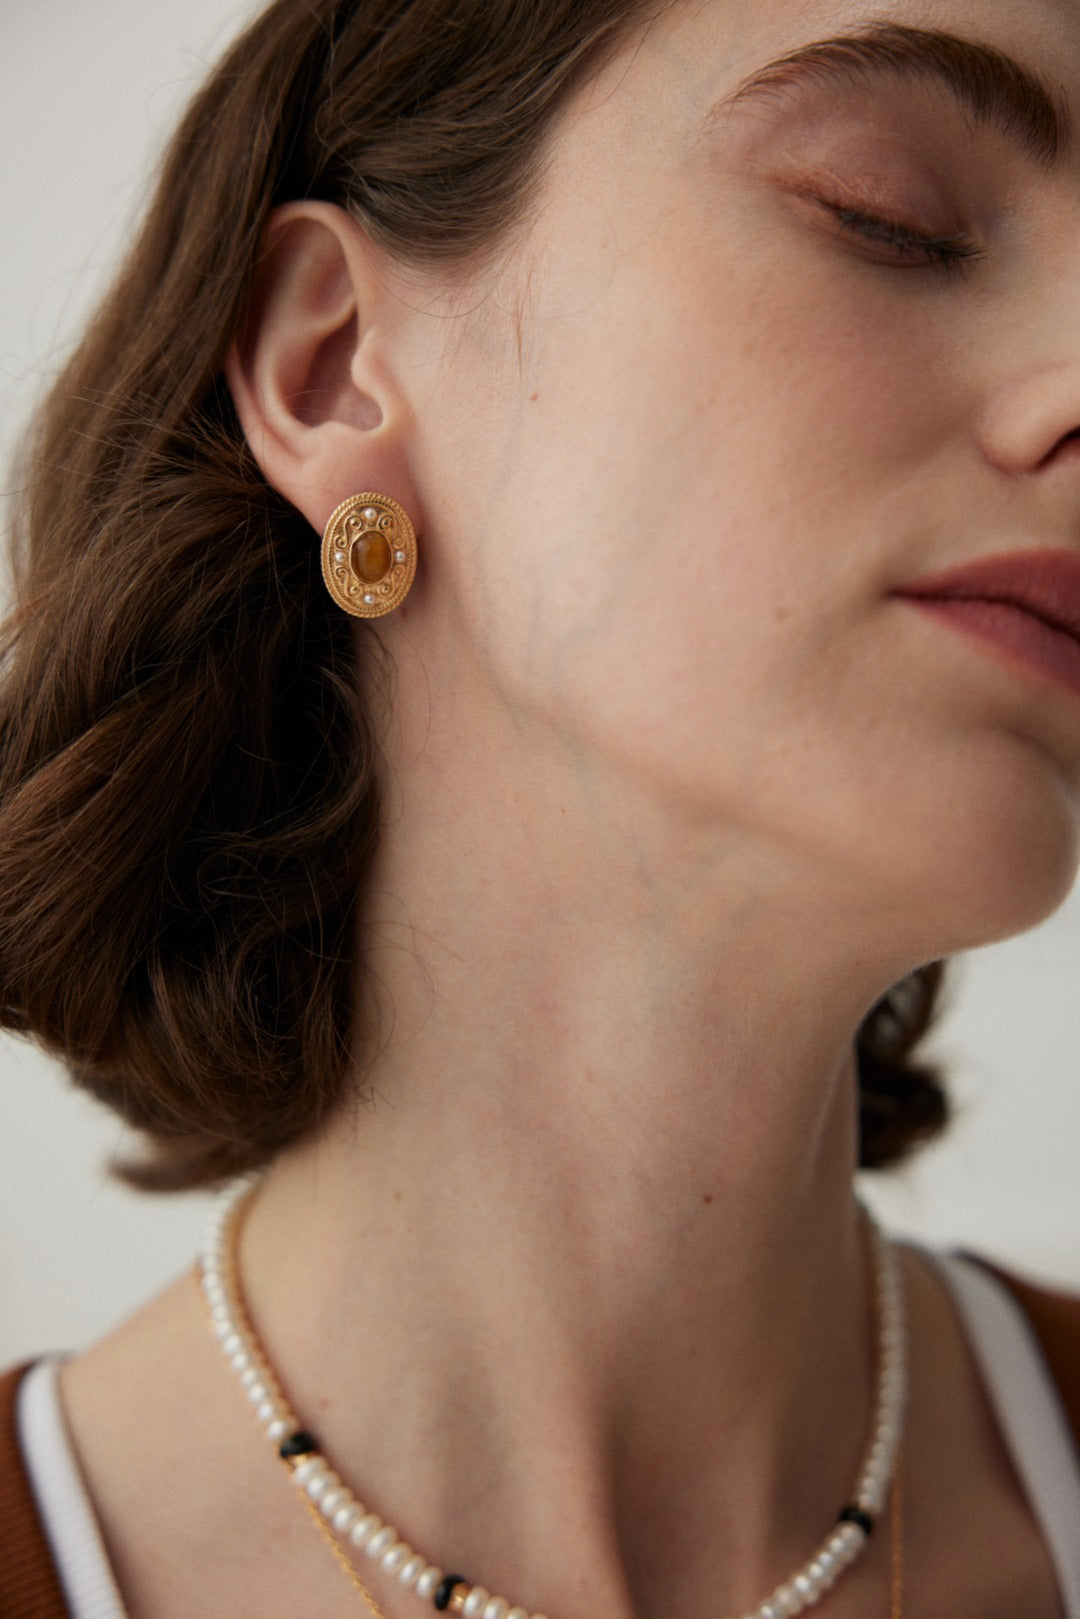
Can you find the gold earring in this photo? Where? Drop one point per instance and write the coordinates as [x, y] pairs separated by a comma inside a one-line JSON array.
[[369, 555]]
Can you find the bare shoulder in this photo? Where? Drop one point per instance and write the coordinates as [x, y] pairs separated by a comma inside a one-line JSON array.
[[193, 1509], [126, 1391]]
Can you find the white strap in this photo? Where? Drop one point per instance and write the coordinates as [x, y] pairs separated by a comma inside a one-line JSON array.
[[1029, 1411], [66, 1514]]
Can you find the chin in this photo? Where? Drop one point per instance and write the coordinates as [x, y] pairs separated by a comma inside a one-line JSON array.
[[1003, 873]]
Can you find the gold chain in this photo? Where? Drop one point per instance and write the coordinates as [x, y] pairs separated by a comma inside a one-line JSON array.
[[346, 1566], [268, 1376], [896, 1542]]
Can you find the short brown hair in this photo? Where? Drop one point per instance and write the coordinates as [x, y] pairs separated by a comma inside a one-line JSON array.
[[188, 759]]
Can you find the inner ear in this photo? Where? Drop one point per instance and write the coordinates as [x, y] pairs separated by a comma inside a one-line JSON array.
[[296, 351], [313, 368], [328, 392]]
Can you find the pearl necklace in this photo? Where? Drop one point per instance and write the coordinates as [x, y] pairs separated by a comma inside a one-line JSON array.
[[333, 1503]]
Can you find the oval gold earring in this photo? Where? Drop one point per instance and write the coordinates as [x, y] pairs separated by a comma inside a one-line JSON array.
[[369, 555]]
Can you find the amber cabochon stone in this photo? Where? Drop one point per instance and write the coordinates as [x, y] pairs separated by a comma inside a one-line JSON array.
[[371, 557]]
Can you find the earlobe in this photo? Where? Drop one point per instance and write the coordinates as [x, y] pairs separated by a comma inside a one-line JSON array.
[[315, 400]]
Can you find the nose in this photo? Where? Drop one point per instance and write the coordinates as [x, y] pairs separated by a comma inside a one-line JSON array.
[[1033, 422]]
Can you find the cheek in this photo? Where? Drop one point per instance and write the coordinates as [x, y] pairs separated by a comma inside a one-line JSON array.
[[692, 457], [673, 498], [669, 517]]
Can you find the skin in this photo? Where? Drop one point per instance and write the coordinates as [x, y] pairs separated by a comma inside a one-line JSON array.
[[676, 788]]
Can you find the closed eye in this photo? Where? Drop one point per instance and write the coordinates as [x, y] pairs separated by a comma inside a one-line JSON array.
[[914, 249]]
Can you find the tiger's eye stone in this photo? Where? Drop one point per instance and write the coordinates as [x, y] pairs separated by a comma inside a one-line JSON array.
[[371, 558]]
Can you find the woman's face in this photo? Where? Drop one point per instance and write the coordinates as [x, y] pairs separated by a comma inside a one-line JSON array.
[[709, 415]]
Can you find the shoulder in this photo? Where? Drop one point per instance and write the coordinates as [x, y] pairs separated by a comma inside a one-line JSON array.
[[29, 1585]]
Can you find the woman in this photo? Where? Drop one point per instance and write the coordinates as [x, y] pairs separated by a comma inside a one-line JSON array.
[[720, 359]]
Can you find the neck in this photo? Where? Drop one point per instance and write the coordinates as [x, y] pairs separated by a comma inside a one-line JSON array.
[[591, 1249]]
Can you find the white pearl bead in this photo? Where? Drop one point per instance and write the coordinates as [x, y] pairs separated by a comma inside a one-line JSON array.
[[257, 1392], [396, 1557], [497, 1608], [381, 1541], [303, 1470], [331, 1501], [248, 1377], [232, 1343], [361, 1532], [429, 1581], [411, 1572], [370, 515], [517, 1613], [277, 1430], [318, 1484], [475, 1602], [345, 1517], [789, 1601]]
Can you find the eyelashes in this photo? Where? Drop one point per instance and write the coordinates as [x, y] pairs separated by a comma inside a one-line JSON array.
[[913, 249]]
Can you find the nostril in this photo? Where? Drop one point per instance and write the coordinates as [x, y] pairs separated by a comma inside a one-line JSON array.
[[1067, 446]]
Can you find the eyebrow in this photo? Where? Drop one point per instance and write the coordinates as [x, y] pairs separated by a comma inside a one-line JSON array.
[[994, 88]]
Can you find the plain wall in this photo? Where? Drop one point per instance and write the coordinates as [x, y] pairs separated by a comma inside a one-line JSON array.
[[89, 93]]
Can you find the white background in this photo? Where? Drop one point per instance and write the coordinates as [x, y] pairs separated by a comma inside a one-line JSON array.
[[89, 92]]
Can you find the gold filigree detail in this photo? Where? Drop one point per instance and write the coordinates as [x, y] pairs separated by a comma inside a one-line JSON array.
[[366, 531]]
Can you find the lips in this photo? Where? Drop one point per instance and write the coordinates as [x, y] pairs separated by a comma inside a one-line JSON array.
[[1043, 583], [1025, 607]]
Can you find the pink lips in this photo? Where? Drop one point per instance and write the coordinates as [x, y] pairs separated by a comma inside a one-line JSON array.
[[1025, 605]]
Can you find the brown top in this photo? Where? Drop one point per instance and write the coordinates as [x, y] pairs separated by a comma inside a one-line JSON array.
[[30, 1589]]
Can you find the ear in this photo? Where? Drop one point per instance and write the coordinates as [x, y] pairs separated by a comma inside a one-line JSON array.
[[310, 369]]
